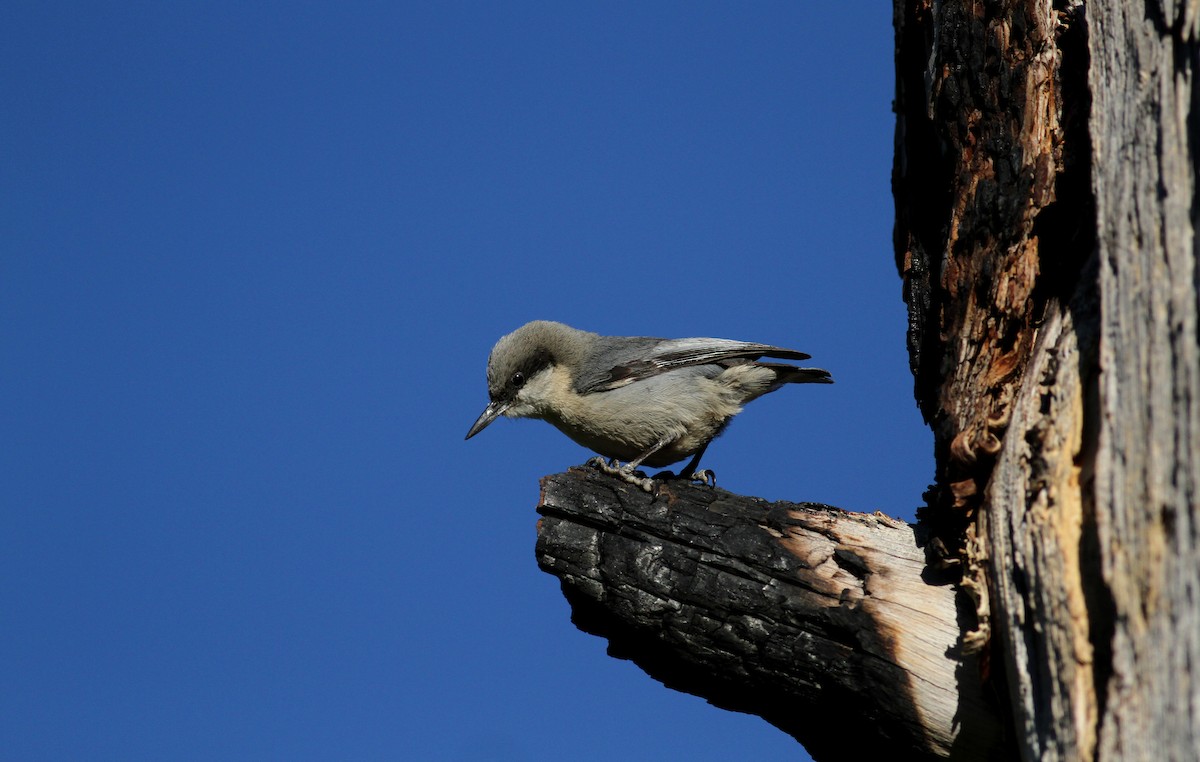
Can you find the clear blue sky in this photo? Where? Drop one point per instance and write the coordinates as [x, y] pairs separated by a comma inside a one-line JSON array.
[[254, 257]]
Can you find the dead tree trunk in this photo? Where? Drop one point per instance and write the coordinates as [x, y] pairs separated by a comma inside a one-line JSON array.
[[1144, 61], [1045, 184], [1053, 297], [995, 238]]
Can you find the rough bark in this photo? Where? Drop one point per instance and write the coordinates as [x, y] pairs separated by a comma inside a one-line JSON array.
[[1144, 60], [1000, 280], [817, 619], [1075, 515], [992, 226]]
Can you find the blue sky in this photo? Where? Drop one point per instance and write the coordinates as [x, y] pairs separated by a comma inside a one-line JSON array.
[[255, 256]]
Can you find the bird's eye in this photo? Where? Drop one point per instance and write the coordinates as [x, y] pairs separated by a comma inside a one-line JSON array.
[[518, 379]]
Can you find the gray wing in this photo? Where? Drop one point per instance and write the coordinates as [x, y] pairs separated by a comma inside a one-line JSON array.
[[621, 361]]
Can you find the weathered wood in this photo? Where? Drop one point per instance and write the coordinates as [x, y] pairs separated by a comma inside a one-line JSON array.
[[995, 251], [820, 620], [1040, 532], [1144, 62], [993, 234], [979, 151], [1046, 203]]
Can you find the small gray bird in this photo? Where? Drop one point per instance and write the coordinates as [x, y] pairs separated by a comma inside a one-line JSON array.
[[633, 398]]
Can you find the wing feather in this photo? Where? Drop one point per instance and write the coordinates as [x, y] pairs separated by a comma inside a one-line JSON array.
[[625, 362]]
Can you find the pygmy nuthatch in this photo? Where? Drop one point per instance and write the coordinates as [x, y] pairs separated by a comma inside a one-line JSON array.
[[633, 398]]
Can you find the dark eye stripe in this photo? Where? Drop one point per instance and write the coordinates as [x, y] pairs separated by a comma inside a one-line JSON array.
[[534, 364]]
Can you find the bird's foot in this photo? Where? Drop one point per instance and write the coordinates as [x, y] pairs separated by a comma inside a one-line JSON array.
[[624, 473], [604, 464], [705, 476]]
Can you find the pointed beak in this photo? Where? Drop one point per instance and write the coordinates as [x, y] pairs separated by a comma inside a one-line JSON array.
[[490, 413]]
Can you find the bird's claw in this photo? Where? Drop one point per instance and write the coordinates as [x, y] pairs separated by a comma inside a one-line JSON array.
[[624, 473], [611, 467], [704, 476], [647, 484]]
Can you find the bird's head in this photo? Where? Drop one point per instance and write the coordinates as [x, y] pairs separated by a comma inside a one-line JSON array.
[[526, 370]]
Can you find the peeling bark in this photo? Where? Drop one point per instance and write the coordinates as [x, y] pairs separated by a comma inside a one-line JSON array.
[[979, 137]]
